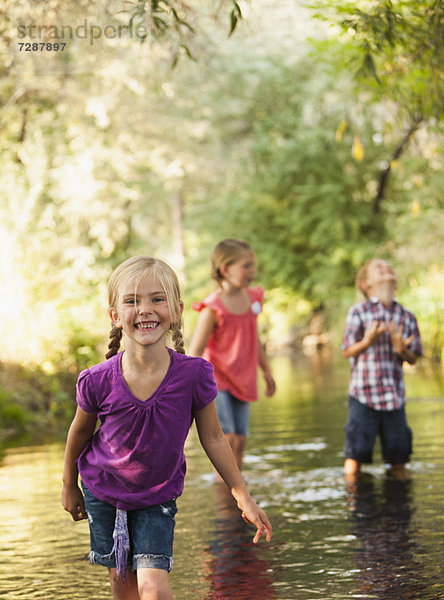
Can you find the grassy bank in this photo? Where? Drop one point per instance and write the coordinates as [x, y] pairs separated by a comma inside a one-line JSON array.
[[33, 403]]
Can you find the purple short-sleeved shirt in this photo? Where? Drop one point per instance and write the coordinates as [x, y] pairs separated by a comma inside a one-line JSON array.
[[135, 458]]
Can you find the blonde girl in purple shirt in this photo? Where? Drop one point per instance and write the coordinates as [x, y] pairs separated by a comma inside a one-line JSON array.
[[132, 467]]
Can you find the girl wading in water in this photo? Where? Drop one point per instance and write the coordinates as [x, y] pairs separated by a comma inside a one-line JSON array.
[[133, 467], [226, 335]]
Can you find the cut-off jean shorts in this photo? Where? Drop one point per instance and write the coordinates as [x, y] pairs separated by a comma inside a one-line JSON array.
[[151, 534], [233, 414]]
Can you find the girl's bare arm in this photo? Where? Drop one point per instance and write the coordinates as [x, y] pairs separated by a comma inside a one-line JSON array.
[[80, 432], [263, 364], [205, 324]]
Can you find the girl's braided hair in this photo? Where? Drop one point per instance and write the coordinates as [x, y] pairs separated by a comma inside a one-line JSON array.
[[134, 270]]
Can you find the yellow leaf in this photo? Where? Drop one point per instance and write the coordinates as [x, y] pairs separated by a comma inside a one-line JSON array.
[[340, 130], [357, 149], [416, 207]]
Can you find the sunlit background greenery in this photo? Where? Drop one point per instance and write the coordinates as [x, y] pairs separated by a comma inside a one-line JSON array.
[[312, 131]]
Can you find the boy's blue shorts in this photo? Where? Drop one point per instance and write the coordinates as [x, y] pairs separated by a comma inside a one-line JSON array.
[[365, 424], [233, 414]]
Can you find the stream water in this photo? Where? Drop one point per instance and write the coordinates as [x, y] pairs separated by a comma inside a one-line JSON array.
[[376, 539]]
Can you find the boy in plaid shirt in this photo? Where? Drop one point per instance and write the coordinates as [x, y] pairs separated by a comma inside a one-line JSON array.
[[380, 334]]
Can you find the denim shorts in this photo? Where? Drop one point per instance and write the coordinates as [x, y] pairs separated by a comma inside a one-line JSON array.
[[233, 414], [151, 533], [365, 424]]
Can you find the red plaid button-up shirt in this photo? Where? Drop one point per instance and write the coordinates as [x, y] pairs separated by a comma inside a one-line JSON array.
[[376, 374]]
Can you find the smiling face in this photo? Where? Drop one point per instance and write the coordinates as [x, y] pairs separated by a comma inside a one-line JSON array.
[[142, 310]]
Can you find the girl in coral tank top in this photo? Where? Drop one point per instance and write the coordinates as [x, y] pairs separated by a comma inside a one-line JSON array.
[[226, 335]]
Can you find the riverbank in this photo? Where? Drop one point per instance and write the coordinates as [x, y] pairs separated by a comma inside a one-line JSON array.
[[34, 403]]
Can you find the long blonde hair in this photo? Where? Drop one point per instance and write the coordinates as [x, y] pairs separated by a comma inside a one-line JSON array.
[[135, 269], [226, 253]]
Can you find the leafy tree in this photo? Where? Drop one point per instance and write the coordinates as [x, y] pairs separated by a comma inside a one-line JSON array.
[[398, 51], [113, 154], [300, 196], [92, 170]]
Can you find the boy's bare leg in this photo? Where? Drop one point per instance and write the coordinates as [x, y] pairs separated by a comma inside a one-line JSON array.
[[398, 471], [352, 468], [122, 590]]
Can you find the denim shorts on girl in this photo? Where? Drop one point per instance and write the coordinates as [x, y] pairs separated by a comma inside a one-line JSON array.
[[233, 414], [151, 534]]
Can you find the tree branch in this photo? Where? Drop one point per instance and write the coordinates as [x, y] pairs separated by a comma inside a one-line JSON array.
[[383, 178]]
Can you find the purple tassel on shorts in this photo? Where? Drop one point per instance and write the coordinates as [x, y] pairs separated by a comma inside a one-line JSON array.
[[121, 542]]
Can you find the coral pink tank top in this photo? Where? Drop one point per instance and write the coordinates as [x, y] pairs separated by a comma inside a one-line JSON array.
[[233, 345]]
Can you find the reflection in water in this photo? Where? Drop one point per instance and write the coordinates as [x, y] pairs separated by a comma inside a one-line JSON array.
[[235, 566], [394, 550], [381, 522]]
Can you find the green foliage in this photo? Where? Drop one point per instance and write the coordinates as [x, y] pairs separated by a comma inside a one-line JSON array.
[[424, 298], [32, 399], [399, 48], [235, 16], [400, 45], [175, 23], [303, 198], [111, 153], [12, 416], [285, 313]]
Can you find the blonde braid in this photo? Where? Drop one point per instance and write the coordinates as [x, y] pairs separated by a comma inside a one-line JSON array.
[[177, 337], [115, 338]]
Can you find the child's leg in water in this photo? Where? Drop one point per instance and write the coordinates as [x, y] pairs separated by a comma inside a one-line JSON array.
[[154, 584], [237, 443], [352, 468], [398, 472], [148, 584], [122, 590]]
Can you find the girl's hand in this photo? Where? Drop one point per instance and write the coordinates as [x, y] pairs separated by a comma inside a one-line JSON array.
[[73, 502], [270, 385], [254, 515]]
